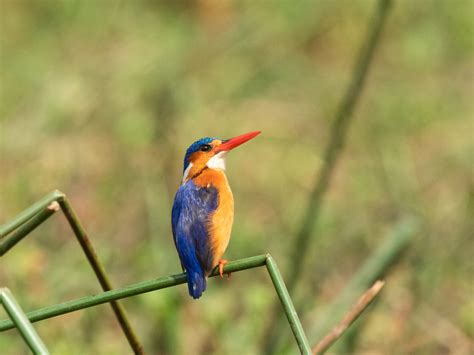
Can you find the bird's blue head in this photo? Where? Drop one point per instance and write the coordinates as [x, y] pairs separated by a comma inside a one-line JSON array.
[[201, 145], [210, 152]]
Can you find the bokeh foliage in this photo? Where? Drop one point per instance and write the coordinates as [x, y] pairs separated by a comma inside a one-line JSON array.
[[100, 99]]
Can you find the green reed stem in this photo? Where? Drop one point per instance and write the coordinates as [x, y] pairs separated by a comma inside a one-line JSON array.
[[19, 319], [33, 216], [31, 211], [174, 280], [24, 229], [288, 306]]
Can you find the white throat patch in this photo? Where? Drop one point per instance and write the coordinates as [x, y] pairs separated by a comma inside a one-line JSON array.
[[217, 161], [186, 172]]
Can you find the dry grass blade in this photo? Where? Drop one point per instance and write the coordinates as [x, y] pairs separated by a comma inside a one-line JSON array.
[[362, 303]]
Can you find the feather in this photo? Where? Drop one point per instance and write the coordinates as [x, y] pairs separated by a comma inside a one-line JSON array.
[[192, 208]]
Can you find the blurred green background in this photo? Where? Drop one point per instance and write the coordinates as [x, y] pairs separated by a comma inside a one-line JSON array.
[[100, 99]]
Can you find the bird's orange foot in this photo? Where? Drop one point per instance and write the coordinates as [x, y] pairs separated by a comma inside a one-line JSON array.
[[221, 264]]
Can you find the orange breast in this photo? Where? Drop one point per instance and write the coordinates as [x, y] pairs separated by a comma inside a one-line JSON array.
[[220, 223]]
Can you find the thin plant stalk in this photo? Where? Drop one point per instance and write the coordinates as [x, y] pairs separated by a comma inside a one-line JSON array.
[[336, 142], [373, 268], [24, 229], [100, 272], [288, 306], [33, 216], [350, 317], [31, 211], [22, 323], [174, 280]]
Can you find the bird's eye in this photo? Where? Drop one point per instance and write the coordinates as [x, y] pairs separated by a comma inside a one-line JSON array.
[[205, 148]]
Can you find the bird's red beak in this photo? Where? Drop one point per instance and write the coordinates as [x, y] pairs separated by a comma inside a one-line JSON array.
[[232, 143]]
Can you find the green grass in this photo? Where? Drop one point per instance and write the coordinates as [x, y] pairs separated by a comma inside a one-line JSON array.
[[101, 100]]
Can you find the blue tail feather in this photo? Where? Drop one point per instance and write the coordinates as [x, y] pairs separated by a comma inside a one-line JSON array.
[[194, 271], [196, 283]]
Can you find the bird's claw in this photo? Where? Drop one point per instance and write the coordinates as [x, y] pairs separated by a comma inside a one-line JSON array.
[[221, 264]]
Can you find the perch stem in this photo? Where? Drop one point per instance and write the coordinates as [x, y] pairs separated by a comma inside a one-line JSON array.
[[128, 291], [173, 280], [288, 306]]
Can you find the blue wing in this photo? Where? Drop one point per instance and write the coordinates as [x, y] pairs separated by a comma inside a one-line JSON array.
[[189, 218]]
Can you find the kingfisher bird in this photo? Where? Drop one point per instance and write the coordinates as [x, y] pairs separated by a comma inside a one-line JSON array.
[[203, 210]]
